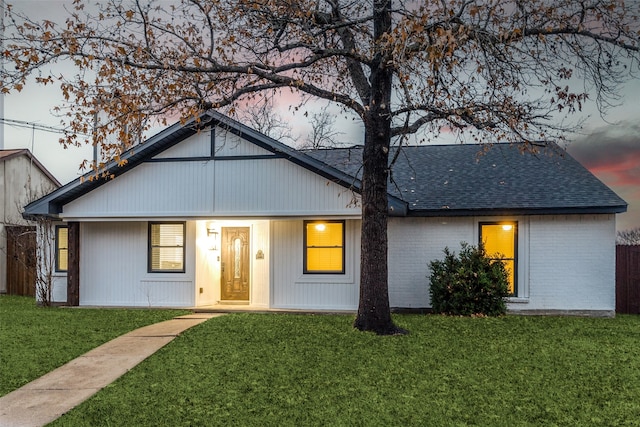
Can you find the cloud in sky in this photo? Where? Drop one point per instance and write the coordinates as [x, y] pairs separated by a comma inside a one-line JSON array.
[[612, 153]]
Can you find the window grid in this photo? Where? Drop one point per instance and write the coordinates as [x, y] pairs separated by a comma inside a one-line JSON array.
[[324, 247], [166, 247], [504, 240], [62, 248]]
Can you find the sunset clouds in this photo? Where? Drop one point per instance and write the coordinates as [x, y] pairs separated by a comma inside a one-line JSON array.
[[612, 153]]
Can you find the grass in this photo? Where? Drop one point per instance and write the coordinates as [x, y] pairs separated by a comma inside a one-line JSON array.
[[294, 370], [35, 340]]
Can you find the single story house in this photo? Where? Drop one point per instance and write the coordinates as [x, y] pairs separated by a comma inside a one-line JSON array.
[[220, 214]]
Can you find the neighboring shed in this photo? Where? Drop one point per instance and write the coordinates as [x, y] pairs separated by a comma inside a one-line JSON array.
[[23, 179]]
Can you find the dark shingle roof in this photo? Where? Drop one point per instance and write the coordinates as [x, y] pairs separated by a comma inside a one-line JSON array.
[[433, 180], [464, 180]]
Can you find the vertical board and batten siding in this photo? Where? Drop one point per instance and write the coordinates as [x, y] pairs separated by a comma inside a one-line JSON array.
[[198, 145], [628, 279], [206, 266], [230, 144], [572, 263], [207, 188], [113, 268], [277, 187], [157, 189], [260, 266], [59, 291], [293, 289]]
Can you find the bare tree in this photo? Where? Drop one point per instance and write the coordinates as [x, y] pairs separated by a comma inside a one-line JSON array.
[[36, 238], [629, 237], [491, 69], [323, 132], [45, 260], [263, 117]]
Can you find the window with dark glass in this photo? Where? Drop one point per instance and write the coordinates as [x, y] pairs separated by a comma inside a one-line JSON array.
[[500, 241], [166, 247], [62, 248], [324, 247]]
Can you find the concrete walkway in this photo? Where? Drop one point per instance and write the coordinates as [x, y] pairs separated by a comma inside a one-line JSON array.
[[50, 396]]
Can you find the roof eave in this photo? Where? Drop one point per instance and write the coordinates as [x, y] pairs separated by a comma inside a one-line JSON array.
[[518, 211]]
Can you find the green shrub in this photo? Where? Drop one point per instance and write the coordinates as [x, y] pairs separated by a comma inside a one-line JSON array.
[[470, 283]]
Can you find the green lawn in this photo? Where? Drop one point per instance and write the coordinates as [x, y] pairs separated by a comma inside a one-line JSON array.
[[304, 370], [34, 340]]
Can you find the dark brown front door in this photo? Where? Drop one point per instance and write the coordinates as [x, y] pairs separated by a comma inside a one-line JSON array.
[[235, 264]]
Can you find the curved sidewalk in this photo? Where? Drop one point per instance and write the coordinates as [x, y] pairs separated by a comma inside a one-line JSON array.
[[50, 396]]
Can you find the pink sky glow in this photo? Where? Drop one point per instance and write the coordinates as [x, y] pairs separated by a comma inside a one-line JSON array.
[[610, 149]]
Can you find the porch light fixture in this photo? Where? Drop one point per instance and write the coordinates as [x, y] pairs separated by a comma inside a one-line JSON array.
[[212, 234]]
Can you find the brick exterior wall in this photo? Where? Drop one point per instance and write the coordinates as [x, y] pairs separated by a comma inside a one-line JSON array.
[[565, 263]]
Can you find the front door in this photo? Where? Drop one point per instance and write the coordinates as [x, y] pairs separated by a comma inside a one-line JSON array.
[[235, 264]]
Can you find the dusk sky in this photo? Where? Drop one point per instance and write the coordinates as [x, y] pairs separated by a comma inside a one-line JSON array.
[[610, 149]]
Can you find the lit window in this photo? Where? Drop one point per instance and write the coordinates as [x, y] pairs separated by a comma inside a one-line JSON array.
[[500, 242], [166, 247], [62, 248], [324, 247]]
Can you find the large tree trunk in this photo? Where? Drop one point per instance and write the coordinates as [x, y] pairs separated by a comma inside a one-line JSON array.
[[374, 313]]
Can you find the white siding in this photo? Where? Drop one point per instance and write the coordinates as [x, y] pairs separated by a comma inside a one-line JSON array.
[[572, 263], [413, 243], [260, 267], [231, 188], [59, 292], [198, 145], [150, 190], [113, 268], [293, 289], [564, 262], [277, 187], [207, 266], [229, 144]]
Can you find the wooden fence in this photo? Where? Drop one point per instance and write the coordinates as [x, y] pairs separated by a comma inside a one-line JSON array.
[[628, 279], [21, 260]]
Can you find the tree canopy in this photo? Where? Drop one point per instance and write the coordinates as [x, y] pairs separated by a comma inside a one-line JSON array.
[[490, 69]]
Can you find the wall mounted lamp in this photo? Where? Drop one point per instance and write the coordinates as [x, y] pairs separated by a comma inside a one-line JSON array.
[[212, 233]]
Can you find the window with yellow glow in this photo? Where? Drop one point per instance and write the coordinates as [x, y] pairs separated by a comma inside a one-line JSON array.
[[62, 248], [166, 247], [324, 247], [500, 242]]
